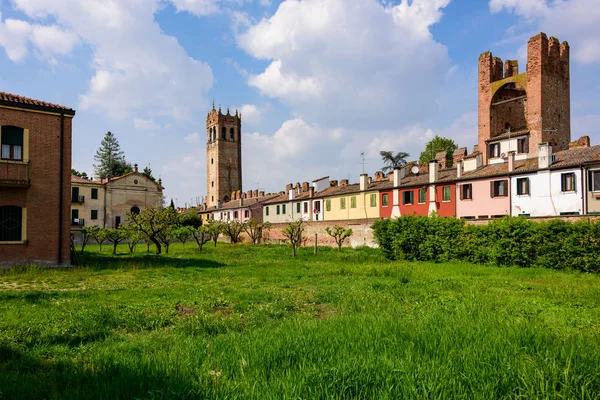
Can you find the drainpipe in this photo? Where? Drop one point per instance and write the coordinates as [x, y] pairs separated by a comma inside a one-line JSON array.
[[61, 190]]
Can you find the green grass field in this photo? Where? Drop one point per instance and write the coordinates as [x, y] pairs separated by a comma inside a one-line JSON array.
[[252, 323]]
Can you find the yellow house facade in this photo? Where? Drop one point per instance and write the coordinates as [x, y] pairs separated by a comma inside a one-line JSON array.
[[355, 204], [105, 203]]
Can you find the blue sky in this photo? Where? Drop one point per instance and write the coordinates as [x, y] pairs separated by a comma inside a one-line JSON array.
[[318, 81]]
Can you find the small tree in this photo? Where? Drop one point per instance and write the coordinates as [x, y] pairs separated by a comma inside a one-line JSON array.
[[166, 236], [116, 236], [254, 229], [151, 222], [100, 237], [294, 232], [182, 234], [214, 228], [110, 158], [133, 236], [233, 230], [339, 234], [200, 235], [89, 232]]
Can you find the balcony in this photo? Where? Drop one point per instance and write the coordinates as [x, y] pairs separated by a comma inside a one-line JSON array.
[[77, 199], [14, 173], [78, 222]]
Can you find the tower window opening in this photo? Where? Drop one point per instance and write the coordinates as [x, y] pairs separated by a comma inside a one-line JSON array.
[[231, 134], [224, 133]]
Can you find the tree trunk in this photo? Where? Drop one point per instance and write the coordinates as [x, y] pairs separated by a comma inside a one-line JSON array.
[[157, 244], [167, 248], [115, 247], [293, 250]]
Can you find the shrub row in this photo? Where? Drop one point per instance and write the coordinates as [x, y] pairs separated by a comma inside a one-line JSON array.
[[510, 241]]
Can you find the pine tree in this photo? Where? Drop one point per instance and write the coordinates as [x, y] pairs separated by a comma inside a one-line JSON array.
[[147, 172], [110, 158]]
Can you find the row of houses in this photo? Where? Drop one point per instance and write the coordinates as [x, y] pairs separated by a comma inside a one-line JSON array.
[[551, 184]]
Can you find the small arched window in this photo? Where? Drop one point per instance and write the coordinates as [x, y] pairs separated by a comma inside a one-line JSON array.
[[224, 133], [212, 161], [225, 199], [135, 210], [11, 224], [12, 143], [231, 134]]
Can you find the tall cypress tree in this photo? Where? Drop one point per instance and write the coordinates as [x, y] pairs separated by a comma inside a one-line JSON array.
[[110, 158]]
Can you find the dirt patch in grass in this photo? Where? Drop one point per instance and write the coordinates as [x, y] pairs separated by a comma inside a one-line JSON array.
[[222, 310], [185, 311], [324, 311]]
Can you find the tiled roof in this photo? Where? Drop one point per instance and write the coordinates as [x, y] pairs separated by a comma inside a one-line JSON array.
[[77, 179], [563, 159], [461, 151], [444, 175], [10, 99], [246, 202], [508, 135]]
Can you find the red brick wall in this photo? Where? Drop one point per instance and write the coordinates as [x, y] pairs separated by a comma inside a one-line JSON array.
[[42, 198]]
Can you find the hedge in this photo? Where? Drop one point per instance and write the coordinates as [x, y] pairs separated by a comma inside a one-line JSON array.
[[509, 241]]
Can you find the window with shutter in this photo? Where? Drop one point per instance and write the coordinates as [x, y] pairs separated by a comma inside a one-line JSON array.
[[522, 186], [422, 195], [12, 143], [384, 200], [373, 201], [11, 223], [595, 184], [328, 205], [446, 193], [353, 202]]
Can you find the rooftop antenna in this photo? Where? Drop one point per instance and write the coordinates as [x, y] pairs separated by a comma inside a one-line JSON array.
[[363, 161]]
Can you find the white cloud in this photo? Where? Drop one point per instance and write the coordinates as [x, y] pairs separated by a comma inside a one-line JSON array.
[[145, 124], [577, 21], [192, 138], [351, 63], [251, 114], [300, 151], [136, 66], [197, 7], [17, 37]]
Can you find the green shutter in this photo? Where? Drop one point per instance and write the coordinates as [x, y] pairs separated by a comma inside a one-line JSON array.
[[353, 202], [328, 205]]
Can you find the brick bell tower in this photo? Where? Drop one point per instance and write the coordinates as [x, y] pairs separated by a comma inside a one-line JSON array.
[[223, 156], [535, 103]]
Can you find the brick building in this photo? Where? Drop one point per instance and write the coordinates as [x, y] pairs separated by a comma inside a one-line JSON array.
[[519, 111], [223, 156], [35, 180]]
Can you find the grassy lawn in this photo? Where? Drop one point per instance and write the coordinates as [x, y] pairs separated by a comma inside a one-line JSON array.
[[253, 323]]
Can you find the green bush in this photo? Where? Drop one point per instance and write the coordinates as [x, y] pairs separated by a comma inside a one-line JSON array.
[[505, 242]]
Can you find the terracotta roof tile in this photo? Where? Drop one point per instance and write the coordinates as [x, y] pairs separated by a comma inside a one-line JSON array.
[[247, 202], [21, 101], [507, 135]]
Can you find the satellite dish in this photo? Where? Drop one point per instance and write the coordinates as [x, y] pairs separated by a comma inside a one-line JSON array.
[[414, 170]]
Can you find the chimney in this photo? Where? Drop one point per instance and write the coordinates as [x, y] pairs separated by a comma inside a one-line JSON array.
[[459, 169], [304, 186], [582, 142], [135, 167], [397, 176], [344, 182], [292, 193], [249, 194], [511, 161], [261, 194], [379, 176], [255, 193], [288, 187], [333, 183], [364, 178], [311, 191], [433, 171], [544, 155], [298, 188]]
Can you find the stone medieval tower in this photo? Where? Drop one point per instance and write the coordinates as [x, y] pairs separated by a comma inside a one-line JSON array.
[[535, 103], [223, 156]]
